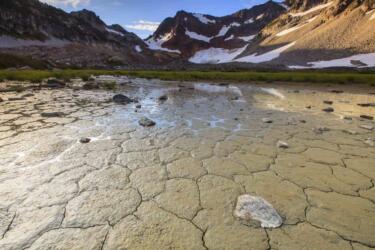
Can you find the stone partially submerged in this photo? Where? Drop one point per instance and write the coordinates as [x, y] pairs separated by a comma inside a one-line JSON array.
[[255, 210]]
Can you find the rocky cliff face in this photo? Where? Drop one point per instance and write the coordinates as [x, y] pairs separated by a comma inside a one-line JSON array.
[[48, 33]]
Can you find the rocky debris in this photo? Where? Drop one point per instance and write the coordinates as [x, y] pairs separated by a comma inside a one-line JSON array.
[[282, 144], [328, 102], [90, 85], [52, 114], [337, 91], [370, 142], [348, 118], [254, 209], [121, 99], [308, 107], [84, 140], [55, 83], [372, 104], [146, 122], [367, 117], [328, 110], [267, 120], [320, 130], [367, 127], [138, 106], [1, 99], [350, 132]]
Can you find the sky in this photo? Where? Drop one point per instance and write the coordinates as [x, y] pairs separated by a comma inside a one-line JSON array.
[[143, 16]]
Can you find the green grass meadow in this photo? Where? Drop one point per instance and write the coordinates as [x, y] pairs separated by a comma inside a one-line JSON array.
[[241, 76]]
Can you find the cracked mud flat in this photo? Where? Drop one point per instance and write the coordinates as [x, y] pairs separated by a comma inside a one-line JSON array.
[[175, 185]]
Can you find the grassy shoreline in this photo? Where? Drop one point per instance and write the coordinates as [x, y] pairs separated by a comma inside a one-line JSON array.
[[242, 76]]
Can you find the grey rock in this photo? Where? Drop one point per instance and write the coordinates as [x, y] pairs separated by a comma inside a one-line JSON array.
[[367, 117], [84, 140], [146, 122], [122, 99], [267, 120], [328, 102], [282, 144], [367, 127], [255, 210], [328, 110], [52, 114], [366, 104], [163, 98], [90, 85], [320, 130], [55, 83]]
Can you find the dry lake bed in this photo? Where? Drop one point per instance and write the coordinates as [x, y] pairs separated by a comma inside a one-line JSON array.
[[78, 171]]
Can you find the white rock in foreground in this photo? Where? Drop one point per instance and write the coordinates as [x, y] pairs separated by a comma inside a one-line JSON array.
[[256, 208]]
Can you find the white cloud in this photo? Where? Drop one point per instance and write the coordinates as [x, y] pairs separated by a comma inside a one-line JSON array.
[[73, 3], [143, 25]]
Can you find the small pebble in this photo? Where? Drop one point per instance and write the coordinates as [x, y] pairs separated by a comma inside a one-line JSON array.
[[84, 140], [282, 144], [267, 120], [328, 110]]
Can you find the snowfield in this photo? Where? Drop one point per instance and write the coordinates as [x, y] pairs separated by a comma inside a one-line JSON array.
[[219, 55], [197, 36], [316, 8], [368, 59], [269, 56], [203, 19], [216, 55]]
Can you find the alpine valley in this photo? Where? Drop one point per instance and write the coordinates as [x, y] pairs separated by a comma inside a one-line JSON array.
[[294, 34]]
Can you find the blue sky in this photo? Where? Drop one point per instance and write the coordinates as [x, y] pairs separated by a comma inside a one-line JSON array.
[[143, 16]]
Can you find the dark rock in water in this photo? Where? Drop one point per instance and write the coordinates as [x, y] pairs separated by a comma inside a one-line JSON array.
[[337, 91], [28, 95], [308, 107], [15, 98], [320, 130], [329, 110], [328, 102], [84, 140], [90, 85], [267, 120], [146, 122], [224, 84], [52, 114], [235, 98], [122, 99], [138, 106], [55, 83], [163, 98], [366, 104], [367, 117], [302, 121]]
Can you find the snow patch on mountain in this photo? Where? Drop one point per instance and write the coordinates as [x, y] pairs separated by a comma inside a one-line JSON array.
[[156, 43], [269, 56], [250, 21], [224, 30], [216, 55], [316, 8], [138, 48], [292, 29], [114, 31], [203, 19], [247, 38], [197, 36], [352, 61]]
